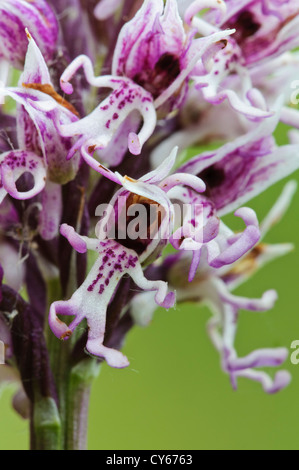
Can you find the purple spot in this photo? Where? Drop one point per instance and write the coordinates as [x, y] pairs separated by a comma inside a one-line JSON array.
[[94, 282], [102, 288]]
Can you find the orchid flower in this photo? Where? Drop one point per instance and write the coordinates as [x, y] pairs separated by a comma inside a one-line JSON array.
[[150, 69], [155, 51], [106, 8], [228, 79], [234, 173], [264, 28], [213, 286], [93, 240], [256, 24], [116, 258], [241, 169], [40, 153], [203, 233]]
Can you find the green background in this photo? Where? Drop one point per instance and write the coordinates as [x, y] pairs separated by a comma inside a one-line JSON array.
[[174, 394]]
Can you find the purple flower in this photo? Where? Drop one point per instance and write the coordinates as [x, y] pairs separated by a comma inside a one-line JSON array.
[[42, 151], [242, 169], [98, 128], [213, 286], [146, 78], [151, 66], [155, 51], [264, 29], [117, 258]]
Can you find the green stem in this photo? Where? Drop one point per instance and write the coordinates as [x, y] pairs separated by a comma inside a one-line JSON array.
[[60, 364], [45, 425], [81, 378], [64, 428]]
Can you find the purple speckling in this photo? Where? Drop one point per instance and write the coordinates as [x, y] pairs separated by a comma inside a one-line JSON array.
[[122, 104], [111, 253], [102, 288], [94, 282]]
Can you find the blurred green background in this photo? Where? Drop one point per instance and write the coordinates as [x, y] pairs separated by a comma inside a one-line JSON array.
[[174, 394]]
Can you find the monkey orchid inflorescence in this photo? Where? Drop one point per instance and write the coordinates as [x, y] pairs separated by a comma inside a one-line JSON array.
[[104, 215]]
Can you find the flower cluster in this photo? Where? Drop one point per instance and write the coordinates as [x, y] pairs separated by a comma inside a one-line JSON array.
[[101, 102]]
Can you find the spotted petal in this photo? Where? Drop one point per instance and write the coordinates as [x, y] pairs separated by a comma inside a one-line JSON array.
[[91, 300]]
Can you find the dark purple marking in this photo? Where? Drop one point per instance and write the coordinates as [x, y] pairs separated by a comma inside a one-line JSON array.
[[102, 288], [94, 282]]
